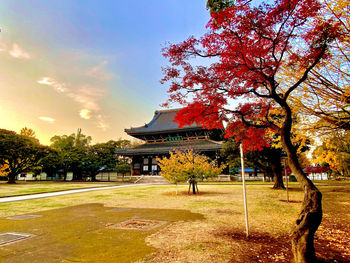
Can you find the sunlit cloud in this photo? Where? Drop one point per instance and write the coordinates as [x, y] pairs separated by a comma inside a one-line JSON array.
[[2, 47], [88, 97], [60, 87], [47, 119], [17, 52], [102, 123], [99, 72], [85, 114]]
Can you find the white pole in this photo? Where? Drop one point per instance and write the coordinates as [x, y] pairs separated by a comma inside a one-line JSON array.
[[285, 172], [244, 193]]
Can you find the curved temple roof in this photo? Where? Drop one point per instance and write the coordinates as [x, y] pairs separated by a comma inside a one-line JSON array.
[[164, 148], [162, 121]]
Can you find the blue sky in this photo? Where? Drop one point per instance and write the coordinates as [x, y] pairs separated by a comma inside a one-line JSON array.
[[94, 65]]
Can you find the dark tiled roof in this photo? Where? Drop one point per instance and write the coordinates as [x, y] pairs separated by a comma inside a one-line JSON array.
[[163, 120], [164, 148]]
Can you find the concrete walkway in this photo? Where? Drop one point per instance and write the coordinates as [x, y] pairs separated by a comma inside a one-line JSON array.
[[67, 192]]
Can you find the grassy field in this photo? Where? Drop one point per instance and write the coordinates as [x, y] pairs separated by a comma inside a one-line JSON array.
[[33, 187], [208, 227]]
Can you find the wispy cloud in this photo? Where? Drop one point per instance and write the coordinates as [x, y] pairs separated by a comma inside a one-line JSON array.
[[17, 52], [102, 123], [47, 119], [99, 72], [85, 114], [88, 97], [60, 87]]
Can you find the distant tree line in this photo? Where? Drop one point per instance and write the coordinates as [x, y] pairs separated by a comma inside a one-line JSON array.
[[22, 153]]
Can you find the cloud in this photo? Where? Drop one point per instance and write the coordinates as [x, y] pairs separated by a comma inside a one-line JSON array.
[[99, 72], [85, 114], [47, 119], [3, 47], [60, 87], [17, 52], [88, 97], [102, 123]]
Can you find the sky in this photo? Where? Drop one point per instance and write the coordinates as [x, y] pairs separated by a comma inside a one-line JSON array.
[[89, 64]]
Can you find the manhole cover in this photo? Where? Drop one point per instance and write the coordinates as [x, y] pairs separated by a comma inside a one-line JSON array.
[[6, 238], [137, 224], [119, 210], [23, 217]]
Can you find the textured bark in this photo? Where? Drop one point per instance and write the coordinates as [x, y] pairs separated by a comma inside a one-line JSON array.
[[277, 174], [93, 177], [310, 217], [11, 178], [307, 224], [194, 188], [193, 183]]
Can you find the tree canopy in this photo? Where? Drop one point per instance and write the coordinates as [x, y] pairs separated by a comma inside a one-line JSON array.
[[19, 154], [325, 96], [188, 166]]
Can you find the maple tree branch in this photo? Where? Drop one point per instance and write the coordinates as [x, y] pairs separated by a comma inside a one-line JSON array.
[[304, 77]]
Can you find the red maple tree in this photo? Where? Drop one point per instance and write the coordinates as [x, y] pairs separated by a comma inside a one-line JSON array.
[[232, 75]]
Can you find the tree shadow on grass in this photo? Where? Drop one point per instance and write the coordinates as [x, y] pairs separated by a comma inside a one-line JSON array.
[[291, 201], [263, 247], [200, 193]]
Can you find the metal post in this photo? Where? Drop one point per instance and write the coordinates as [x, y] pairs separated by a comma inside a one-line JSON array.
[[285, 173], [244, 193]]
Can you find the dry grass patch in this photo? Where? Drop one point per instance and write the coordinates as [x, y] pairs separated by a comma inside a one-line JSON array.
[[219, 236]]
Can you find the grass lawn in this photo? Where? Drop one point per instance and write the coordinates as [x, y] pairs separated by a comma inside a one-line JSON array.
[[33, 187], [208, 227]]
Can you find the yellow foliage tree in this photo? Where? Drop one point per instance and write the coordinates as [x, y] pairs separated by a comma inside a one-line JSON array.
[[4, 171], [335, 151], [188, 166], [325, 96]]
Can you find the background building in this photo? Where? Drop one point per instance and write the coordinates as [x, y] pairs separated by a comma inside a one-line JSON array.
[[162, 135]]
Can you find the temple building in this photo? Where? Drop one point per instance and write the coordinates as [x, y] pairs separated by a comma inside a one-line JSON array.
[[162, 135]]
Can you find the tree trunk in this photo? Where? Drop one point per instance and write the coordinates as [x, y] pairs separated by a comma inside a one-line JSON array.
[[310, 217], [192, 183], [277, 174], [194, 187], [93, 177], [11, 178]]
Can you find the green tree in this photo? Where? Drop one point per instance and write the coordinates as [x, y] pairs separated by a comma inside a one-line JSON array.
[[72, 150], [52, 162], [28, 132], [218, 5], [19, 153], [123, 168], [101, 156], [267, 160]]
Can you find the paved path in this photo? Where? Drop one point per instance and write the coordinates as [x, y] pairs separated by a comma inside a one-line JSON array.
[[67, 192]]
